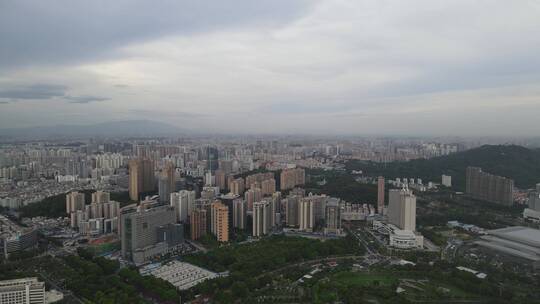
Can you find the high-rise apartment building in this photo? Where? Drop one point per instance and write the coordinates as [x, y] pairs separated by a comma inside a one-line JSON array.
[[237, 186], [220, 179], [402, 209], [380, 194], [22, 291], [141, 177], [258, 178], [74, 202], [306, 218], [100, 197], [291, 210], [251, 196], [291, 178], [488, 187], [262, 218], [333, 218], [276, 208], [198, 223], [166, 182], [220, 221], [182, 202], [239, 214], [268, 186]]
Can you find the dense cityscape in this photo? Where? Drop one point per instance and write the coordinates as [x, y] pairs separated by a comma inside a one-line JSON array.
[[269, 151], [177, 212]]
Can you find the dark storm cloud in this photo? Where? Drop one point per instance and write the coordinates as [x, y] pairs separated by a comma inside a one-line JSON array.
[[53, 32], [85, 99], [36, 91]]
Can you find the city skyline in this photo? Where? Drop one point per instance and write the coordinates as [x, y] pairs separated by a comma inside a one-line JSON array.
[[285, 67]]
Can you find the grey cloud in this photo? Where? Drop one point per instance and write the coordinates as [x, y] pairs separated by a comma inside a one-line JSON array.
[[165, 114], [70, 31], [36, 91], [85, 99]]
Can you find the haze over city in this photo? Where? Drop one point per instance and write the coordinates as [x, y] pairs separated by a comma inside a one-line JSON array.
[[279, 66]]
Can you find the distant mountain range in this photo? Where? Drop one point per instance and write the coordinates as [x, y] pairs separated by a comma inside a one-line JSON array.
[[106, 129], [516, 162]]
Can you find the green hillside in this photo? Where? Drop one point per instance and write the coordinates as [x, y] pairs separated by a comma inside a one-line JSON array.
[[516, 162]]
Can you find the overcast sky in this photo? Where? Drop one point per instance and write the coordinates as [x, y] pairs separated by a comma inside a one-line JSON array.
[[455, 67]]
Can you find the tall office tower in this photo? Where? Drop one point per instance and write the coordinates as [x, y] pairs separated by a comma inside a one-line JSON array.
[[268, 186], [291, 178], [74, 202], [251, 196], [239, 214], [220, 179], [100, 197], [180, 201], [237, 186], [333, 218], [446, 180], [489, 187], [291, 210], [139, 232], [141, 177], [22, 291], [212, 157], [306, 216], [380, 194], [402, 209], [198, 223], [220, 221], [262, 218]]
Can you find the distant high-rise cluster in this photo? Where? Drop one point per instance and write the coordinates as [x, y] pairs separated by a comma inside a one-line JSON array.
[[488, 187], [99, 217]]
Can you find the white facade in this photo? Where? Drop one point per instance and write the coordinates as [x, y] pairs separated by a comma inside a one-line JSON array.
[[402, 209], [446, 180], [22, 291], [404, 239]]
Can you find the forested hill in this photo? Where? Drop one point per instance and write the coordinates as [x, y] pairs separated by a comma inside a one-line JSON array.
[[516, 162]]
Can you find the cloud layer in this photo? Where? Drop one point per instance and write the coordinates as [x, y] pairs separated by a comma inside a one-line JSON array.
[[343, 67]]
